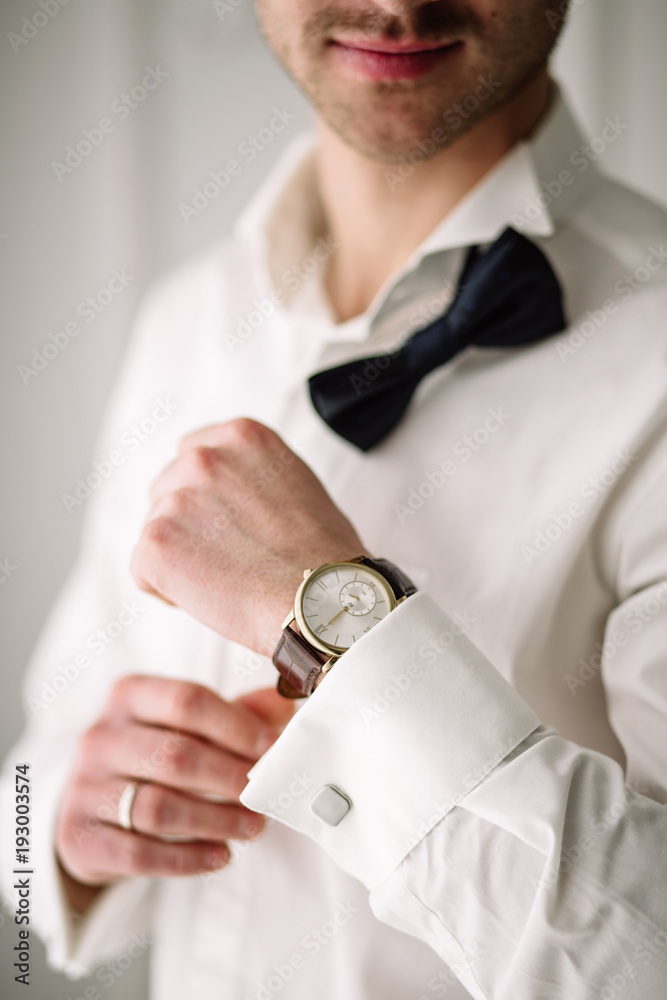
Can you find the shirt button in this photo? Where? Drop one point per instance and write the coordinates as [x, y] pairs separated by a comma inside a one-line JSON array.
[[330, 804]]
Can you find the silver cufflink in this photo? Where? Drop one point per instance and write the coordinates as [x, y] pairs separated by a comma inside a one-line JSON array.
[[330, 804]]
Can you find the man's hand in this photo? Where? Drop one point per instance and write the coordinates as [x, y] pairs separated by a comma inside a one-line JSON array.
[[185, 743], [235, 521]]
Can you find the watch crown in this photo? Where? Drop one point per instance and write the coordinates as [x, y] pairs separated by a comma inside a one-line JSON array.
[[306, 573]]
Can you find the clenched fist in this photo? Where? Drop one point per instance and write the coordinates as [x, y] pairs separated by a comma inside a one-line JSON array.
[[236, 519]]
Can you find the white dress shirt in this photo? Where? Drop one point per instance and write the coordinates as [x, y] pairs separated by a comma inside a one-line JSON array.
[[502, 735]]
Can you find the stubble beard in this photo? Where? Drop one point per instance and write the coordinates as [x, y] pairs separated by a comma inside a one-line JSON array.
[[387, 121]]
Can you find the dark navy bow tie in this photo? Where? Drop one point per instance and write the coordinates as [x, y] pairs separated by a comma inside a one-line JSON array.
[[508, 295]]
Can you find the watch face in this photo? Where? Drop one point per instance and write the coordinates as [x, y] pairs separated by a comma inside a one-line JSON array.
[[338, 603]]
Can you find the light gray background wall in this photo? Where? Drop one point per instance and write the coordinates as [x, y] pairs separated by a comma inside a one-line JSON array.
[[60, 240]]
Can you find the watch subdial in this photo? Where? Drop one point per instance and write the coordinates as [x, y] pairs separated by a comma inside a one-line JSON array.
[[357, 598]]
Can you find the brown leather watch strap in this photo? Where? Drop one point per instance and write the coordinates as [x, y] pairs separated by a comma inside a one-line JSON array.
[[401, 584], [299, 663]]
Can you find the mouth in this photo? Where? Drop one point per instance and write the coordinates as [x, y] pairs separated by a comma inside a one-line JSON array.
[[392, 60]]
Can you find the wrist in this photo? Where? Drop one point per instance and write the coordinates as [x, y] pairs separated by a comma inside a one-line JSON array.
[[79, 895], [268, 637]]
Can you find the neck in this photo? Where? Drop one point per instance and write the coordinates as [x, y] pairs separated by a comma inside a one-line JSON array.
[[377, 225]]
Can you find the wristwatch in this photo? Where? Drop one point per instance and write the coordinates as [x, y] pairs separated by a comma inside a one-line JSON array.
[[335, 605]]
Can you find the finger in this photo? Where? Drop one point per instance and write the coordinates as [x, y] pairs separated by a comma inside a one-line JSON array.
[[270, 705], [148, 589], [234, 434], [159, 811], [206, 437], [178, 760], [123, 852], [193, 708], [196, 467]]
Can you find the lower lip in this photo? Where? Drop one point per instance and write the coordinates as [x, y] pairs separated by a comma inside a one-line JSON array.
[[392, 65]]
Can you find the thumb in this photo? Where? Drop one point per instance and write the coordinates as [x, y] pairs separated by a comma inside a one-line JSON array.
[[270, 705]]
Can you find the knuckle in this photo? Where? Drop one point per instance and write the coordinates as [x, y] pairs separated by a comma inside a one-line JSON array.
[[243, 825], [179, 861], [184, 759], [154, 808], [245, 430], [185, 762], [237, 776], [177, 503], [188, 701], [134, 855], [158, 533], [91, 740], [122, 690], [204, 460]]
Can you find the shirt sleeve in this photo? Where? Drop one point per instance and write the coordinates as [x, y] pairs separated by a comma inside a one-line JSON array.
[[65, 687], [529, 863]]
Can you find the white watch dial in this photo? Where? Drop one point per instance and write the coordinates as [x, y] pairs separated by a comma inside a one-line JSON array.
[[340, 603]]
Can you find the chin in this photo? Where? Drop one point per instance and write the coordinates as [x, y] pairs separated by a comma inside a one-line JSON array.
[[391, 143]]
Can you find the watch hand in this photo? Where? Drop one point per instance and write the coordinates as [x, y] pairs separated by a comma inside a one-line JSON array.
[[335, 617]]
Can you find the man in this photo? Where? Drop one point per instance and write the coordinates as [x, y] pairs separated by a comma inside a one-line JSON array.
[[488, 757]]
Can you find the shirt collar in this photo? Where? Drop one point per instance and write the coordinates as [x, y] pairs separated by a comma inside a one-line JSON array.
[[531, 188]]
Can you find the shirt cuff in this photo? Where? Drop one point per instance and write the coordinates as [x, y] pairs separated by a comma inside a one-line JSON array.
[[404, 726]]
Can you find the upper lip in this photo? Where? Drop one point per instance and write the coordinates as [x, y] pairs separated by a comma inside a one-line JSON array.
[[390, 46]]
